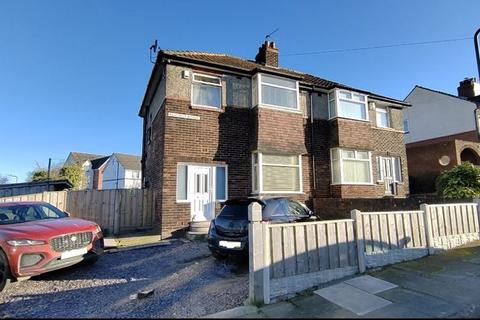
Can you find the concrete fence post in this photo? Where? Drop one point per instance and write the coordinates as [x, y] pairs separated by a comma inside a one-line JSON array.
[[477, 202], [428, 227], [358, 230], [259, 277]]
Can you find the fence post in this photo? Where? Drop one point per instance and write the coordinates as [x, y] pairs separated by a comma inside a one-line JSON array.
[[358, 231], [259, 278], [428, 227], [116, 212]]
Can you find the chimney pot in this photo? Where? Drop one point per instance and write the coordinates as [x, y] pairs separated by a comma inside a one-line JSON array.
[[267, 54], [469, 88]]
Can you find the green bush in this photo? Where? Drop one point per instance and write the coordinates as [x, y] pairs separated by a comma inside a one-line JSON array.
[[461, 182]]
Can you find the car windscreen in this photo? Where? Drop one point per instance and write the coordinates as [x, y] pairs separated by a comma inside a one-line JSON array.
[[234, 211], [297, 209], [19, 213]]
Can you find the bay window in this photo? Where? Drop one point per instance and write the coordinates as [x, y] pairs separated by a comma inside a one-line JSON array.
[[350, 166], [347, 104], [273, 91], [206, 91], [276, 173]]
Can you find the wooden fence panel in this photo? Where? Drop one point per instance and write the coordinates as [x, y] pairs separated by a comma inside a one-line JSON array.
[[116, 211]]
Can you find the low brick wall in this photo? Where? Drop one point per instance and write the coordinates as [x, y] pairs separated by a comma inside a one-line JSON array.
[[336, 208]]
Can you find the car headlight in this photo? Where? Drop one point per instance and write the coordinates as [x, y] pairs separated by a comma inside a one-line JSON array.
[[98, 229], [24, 242]]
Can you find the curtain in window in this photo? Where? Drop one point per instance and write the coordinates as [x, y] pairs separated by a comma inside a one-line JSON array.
[[356, 171], [281, 178], [351, 109], [206, 95], [279, 97]]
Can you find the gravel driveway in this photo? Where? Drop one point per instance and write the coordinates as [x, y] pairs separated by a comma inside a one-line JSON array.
[[188, 282]]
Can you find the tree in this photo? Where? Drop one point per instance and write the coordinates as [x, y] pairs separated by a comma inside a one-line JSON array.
[[74, 174], [3, 179], [461, 182], [38, 175]]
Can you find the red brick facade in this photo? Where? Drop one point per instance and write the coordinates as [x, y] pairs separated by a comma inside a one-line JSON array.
[[228, 136], [424, 158]]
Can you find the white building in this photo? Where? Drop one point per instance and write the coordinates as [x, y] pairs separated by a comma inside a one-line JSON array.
[[122, 171]]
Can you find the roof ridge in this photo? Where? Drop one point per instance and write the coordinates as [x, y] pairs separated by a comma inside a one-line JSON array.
[[441, 92]]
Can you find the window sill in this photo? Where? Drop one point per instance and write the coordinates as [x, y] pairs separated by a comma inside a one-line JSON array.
[[296, 111], [276, 192], [352, 184], [388, 129], [352, 119], [206, 108]]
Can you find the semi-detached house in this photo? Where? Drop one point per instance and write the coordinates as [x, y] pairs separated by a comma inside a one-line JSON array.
[[217, 127]]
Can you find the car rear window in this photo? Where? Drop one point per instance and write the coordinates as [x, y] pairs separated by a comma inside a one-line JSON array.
[[234, 211]]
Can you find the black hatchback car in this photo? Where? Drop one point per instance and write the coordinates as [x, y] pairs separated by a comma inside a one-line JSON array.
[[228, 232]]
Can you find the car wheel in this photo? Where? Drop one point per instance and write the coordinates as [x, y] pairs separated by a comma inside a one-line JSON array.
[[5, 277], [218, 255], [91, 260]]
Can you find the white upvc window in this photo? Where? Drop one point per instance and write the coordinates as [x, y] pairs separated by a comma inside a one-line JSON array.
[[383, 117], [347, 104], [206, 91], [351, 166], [395, 170], [275, 92], [276, 173]]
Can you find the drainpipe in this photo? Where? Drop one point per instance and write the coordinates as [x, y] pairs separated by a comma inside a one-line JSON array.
[[477, 54], [311, 140]]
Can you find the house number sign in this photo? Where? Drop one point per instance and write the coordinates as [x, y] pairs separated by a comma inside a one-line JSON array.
[[183, 116]]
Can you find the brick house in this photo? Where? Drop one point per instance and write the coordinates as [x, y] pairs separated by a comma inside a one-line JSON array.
[[443, 132], [217, 126]]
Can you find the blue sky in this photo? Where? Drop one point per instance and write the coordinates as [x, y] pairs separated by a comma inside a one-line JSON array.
[[73, 73]]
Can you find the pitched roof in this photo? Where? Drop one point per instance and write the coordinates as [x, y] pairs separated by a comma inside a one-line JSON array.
[[128, 161], [436, 91], [81, 157], [251, 66], [97, 163]]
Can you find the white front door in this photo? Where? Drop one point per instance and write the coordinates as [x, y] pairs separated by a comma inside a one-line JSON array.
[[201, 193], [387, 173]]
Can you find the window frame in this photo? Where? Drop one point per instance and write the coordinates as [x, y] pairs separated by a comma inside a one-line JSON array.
[[259, 178], [213, 177], [337, 99], [257, 99], [206, 83], [386, 111], [394, 168], [341, 159]]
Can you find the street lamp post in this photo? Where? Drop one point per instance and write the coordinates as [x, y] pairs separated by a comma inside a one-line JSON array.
[[12, 175], [475, 41]]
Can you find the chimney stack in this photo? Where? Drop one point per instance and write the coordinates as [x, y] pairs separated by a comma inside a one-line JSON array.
[[267, 54], [469, 88]]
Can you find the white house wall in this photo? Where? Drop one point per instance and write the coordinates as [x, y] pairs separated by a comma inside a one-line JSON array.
[[110, 175], [132, 179], [434, 115]]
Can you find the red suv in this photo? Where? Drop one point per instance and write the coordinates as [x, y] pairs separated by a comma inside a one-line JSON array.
[[36, 237]]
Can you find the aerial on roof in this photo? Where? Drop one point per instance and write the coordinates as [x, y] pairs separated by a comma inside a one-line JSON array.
[[251, 66], [128, 161]]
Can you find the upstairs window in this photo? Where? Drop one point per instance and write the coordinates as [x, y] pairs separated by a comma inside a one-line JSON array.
[[347, 104], [206, 91], [275, 92], [383, 117]]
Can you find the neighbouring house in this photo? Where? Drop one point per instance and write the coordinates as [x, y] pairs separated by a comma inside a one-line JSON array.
[[122, 171], [217, 127], [21, 188], [442, 132], [92, 165]]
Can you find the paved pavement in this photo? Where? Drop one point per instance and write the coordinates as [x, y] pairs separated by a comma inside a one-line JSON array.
[[444, 285]]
